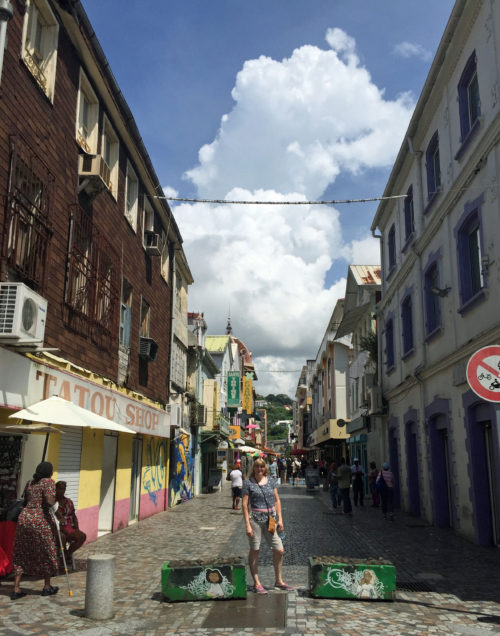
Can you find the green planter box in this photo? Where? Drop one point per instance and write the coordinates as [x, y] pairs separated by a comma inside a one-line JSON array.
[[342, 577], [204, 581]]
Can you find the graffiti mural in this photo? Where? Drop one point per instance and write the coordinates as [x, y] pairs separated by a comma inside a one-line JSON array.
[[211, 583], [182, 469], [155, 461], [360, 583]]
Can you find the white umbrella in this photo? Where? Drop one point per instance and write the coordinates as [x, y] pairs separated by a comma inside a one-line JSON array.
[[31, 428], [248, 449], [238, 442], [55, 410]]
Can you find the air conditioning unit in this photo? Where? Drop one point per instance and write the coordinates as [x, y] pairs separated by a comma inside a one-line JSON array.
[[152, 243], [374, 400], [23, 313], [148, 348], [175, 414], [95, 175]]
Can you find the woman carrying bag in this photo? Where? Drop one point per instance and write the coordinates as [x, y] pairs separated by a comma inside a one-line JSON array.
[[262, 514]]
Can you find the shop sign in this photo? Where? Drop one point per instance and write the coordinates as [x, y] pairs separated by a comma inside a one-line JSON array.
[[234, 432], [233, 388], [246, 401], [30, 382]]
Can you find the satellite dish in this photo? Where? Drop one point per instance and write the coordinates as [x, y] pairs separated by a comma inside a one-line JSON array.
[[341, 423]]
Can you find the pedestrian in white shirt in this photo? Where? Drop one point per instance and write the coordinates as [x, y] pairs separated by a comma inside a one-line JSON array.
[[236, 479]]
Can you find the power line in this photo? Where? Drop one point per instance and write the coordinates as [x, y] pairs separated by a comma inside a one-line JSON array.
[[228, 202]]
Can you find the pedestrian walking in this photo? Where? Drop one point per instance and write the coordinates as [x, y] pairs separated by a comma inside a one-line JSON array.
[[283, 470], [263, 518], [236, 479], [35, 551], [358, 483], [333, 485], [295, 470], [273, 468], [289, 469], [344, 480], [372, 480], [385, 486]]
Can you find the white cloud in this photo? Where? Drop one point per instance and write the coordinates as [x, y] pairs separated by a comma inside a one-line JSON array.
[[296, 125], [364, 251], [408, 49]]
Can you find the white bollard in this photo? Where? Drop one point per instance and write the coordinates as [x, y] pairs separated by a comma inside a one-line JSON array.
[[99, 586]]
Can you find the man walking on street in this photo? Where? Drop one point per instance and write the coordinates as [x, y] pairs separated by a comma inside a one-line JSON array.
[[236, 479], [344, 479], [358, 485]]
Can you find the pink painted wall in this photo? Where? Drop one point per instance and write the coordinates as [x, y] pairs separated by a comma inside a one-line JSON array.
[[88, 521], [121, 514], [148, 507]]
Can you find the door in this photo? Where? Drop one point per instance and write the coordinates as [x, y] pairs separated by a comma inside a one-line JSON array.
[[135, 479], [68, 470], [441, 475], [412, 463], [107, 498], [492, 481]]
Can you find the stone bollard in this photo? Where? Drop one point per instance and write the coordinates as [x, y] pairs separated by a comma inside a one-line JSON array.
[[99, 586]]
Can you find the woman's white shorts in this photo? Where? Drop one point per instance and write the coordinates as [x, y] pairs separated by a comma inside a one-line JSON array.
[[259, 531]]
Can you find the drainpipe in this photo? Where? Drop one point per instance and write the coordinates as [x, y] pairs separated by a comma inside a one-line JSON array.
[[6, 14]]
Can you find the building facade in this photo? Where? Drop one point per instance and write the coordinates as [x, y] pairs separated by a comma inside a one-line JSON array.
[[441, 284]]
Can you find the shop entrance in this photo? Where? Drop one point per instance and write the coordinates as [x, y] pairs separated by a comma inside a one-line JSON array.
[[135, 479], [107, 498]]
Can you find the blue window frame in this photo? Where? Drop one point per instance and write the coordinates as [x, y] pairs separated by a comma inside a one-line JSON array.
[[409, 214], [389, 343], [407, 324], [433, 167], [469, 103], [432, 299], [469, 252], [391, 247]]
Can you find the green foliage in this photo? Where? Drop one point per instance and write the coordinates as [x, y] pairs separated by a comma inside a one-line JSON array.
[[277, 432], [276, 411], [369, 343]]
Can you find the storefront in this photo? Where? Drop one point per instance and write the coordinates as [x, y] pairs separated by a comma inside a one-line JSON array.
[[113, 477]]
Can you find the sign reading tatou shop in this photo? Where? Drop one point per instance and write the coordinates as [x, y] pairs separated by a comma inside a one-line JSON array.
[[110, 404], [483, 373]]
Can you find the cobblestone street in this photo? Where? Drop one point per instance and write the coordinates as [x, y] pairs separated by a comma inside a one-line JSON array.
[[444, 584]]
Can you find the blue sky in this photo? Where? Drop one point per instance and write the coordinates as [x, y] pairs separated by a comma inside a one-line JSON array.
[[271, 100]]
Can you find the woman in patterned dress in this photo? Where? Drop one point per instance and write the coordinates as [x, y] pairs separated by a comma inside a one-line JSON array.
[[35, 551]]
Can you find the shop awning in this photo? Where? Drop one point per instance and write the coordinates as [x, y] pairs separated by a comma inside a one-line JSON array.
[[55, 410], [351, 319]]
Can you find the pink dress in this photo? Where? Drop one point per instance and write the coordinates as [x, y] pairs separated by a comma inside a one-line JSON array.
[[35, 551]]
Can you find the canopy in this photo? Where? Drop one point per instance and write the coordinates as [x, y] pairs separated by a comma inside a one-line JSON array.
[[247, 449], [55, 410]]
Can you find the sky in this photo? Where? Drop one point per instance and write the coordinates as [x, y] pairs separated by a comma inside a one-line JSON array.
[[271, 100]]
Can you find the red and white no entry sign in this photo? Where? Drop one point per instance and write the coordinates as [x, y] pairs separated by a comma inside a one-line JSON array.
[[483, 373]]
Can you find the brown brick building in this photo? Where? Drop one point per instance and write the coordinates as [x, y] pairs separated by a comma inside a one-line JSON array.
[[81, 226]]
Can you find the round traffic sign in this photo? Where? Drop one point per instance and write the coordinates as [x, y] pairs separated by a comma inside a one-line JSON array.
[[483, 373]]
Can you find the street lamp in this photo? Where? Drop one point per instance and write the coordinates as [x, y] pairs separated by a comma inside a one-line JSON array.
[[6, 14]]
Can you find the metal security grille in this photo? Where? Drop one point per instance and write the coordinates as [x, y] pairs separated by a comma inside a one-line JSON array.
[[69, 461]]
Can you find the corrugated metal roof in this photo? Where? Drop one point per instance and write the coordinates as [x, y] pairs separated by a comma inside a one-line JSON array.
[[216, 344], [367, 274]]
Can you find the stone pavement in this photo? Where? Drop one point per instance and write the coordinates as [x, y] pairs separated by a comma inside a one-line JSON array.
[[444, 584]]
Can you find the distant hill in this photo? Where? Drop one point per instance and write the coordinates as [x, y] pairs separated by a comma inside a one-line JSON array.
[[278, 407]]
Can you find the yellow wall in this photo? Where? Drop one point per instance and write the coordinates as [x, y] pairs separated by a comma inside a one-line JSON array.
[[53, 452], [155, 452], [123, 467], [89, 492]]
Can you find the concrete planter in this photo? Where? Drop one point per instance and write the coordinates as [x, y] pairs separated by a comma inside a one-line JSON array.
[[204, 581], [364, 579]]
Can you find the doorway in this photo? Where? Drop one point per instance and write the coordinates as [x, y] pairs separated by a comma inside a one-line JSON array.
[[135, 479], [441, 471], [107, 498], [412, 463], [394, 463]]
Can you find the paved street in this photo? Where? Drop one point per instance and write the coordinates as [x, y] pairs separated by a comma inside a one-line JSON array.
[[444, 584]]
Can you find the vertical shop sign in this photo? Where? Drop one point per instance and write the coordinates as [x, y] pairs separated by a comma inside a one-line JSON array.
[[233, 388], [246, 401]]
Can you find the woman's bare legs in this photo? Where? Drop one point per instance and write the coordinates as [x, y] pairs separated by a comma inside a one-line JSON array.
[[253, 562], [277, 563]]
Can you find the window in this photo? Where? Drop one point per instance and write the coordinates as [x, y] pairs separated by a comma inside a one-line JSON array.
[[391, 245], [39, 49], [126, 314], [131, 197], [407, 324], [92, 291], [389, 343], [468, 97], [28, 223], [432, 299], [179, 363], [145, 319], [469, 249], [433, 167], [409, 214], [87, 115], [109, 151], [148, 224]]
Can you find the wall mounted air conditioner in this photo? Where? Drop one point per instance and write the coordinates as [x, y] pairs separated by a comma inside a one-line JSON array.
[[374, 400], [152, 243], [175, 414], [23, 313], [148, 348], [94, 173]]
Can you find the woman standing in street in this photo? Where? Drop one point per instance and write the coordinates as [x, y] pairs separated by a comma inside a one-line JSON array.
[[262, 510], [35, 551]]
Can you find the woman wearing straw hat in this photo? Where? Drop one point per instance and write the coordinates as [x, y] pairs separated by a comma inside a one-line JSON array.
[[262, 513]]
